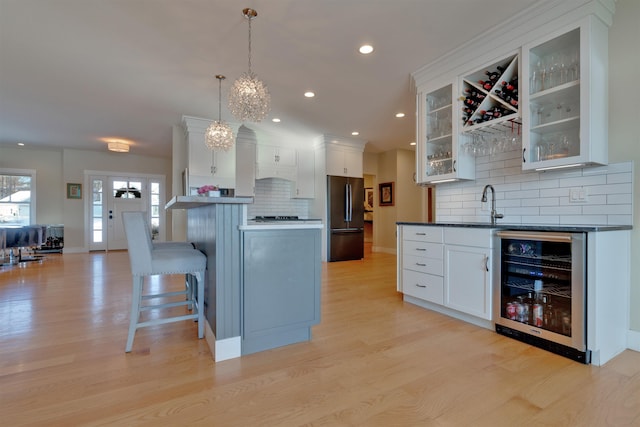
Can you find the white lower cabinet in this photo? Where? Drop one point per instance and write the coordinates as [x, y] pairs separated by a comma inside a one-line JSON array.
[[450, 267], [468, 280]]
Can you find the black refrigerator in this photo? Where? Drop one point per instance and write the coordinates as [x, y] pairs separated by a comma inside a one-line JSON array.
[[345, 209]]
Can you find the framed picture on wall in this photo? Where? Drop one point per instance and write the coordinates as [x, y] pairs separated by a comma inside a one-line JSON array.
[[74, 191], [386, 194], [368, 199]]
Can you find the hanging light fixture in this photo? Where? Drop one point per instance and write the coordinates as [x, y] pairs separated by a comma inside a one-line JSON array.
[[249, 98], [219, 135]]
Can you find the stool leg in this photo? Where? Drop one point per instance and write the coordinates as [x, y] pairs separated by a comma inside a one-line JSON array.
[[200, 302], [135, 311]]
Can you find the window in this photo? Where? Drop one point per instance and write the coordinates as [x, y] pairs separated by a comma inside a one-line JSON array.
[[17, 197]]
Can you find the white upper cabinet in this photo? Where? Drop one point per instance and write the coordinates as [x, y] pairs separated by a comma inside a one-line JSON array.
[[565, 118], [438, 157], [275, 162], [344, 161], [205, 165], [538, 83], [245, 163], [304, 185]]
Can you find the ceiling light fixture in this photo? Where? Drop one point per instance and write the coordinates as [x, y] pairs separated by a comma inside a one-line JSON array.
[[219, 135], [399, 115], [309, 94], [249, 98], [365, 49], [118, 147], [355, 133], [275, 120]]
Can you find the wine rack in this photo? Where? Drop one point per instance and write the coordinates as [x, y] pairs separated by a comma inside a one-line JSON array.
[[490, 95]]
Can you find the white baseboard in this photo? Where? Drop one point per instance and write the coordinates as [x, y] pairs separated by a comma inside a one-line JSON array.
[[228, 348], [633, 340]]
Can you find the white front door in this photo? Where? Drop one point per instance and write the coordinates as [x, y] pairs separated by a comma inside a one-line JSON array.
[[112, 195]]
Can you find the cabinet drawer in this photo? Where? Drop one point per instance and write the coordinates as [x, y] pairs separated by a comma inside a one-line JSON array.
[[423, 286], [467, 236], [422, 233], [423, 249], [422, 264]]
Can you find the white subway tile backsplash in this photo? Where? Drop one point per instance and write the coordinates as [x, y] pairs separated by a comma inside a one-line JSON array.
[[620, 199], [619, 178], [541, 201], [273, 197], [540, 197]]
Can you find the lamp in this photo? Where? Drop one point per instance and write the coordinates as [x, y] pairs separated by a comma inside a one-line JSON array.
[[219, 135], [249, 98], [118, 147]]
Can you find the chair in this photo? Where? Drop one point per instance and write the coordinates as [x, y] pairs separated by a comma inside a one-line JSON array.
[[168, 258]]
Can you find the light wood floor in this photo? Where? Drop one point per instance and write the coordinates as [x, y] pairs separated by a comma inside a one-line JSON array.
[[373, 361]]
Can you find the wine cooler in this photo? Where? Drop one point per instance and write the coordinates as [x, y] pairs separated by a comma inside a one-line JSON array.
[[540, 295]]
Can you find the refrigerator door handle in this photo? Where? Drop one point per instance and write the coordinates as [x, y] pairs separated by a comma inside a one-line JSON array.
[[348, 206]]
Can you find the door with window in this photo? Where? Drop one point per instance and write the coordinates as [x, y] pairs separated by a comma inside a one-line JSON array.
[[112, 195]]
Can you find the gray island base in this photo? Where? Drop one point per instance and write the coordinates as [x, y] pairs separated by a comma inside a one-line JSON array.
[[262, 284]]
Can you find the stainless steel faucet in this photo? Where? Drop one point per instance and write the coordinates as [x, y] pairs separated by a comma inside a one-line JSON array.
[[494, 215]]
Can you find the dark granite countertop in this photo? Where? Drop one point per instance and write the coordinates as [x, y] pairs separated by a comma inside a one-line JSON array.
[[570, 228]]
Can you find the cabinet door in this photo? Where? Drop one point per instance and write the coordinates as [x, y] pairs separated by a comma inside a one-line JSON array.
[[342, 162], [438, 157], [565, 118], [200, 156], [304, 187], [275, 162], [468, 280], [245, 169], [223, 165]]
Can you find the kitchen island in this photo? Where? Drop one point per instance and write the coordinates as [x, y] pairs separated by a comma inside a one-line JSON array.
[[262, 280]]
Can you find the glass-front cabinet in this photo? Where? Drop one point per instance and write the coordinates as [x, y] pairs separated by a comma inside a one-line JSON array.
[[438, 155], [565, 116]]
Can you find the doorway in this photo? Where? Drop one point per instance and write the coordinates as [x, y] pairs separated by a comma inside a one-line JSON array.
[[113, 194], [369, 211]]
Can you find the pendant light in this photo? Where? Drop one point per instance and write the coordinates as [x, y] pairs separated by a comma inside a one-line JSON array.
[[249, 98], [219, 135]]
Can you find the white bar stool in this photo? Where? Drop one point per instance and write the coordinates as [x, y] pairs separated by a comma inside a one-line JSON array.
[[149, 259]]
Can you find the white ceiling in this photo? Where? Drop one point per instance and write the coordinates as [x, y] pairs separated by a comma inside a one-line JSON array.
[[75, 71]]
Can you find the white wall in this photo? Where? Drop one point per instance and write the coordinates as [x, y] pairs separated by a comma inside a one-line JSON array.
[[624, 118]]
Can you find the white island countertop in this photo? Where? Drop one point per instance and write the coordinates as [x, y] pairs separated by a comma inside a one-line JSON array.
[[190, 202]]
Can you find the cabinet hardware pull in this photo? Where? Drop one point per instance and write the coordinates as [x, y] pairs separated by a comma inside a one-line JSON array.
[[421, 234], [421, 265], [523, 158], [454, 166], [486, 263], [421, 249], [421, 286]]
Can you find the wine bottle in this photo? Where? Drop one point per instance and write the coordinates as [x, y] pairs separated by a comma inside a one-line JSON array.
[[485, 85], [493, 75]]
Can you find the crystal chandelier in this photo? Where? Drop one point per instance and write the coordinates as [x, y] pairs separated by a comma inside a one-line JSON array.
[[249, 98], [219, 135]]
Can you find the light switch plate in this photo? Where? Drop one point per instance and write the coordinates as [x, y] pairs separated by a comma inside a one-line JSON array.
[[578, 195]]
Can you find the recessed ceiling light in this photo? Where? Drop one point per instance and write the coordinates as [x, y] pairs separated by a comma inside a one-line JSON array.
[[412, 143], [309, 94], [355, 133], [366, 49], [399, 115], [21, 144], [275, 120]]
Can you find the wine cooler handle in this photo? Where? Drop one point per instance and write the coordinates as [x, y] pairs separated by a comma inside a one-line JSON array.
[[523, 158]]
